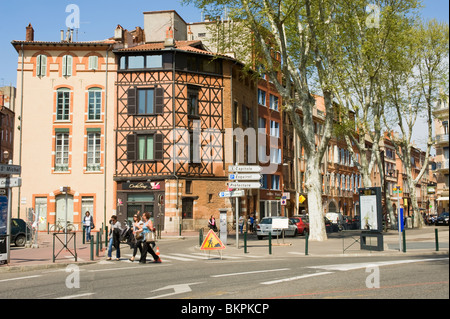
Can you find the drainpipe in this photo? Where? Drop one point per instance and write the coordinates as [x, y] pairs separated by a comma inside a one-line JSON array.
[[21, 129]]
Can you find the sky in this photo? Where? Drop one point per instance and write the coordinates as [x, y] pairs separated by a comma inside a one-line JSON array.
[[99, 18]]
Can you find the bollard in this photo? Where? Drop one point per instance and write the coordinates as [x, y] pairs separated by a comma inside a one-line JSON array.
[[180, 230], [306, 243], [200, 237], [84, 235], [97, 244], [106, 237], [270, 243], [437, 239], [245, 242], [404, 241], [92, 249]]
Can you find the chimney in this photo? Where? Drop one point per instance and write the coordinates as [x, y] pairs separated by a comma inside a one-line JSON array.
[[190, 34], [29, 33], [169, 42]]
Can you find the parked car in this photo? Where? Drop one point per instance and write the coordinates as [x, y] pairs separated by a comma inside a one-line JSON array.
[[302, 223], [265, 227], [442, 219], [20, 231]]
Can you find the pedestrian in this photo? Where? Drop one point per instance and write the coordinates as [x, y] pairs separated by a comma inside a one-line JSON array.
[[147, 227], [114, 237], [88, 224], [137, 235], [212, 223], [241, 224], [252, 221]]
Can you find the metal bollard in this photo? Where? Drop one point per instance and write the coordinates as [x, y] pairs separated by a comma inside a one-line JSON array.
[[270, 243], [404, 241], [436, 238], [306, 244], [200, 237], [84, 235], [245, 242], [180, 230], [97, 244], [92, 249]]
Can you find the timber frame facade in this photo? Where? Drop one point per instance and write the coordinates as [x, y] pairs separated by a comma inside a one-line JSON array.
[[163, 109]]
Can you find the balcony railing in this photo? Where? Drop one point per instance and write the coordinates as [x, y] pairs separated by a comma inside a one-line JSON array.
[[441, 138]]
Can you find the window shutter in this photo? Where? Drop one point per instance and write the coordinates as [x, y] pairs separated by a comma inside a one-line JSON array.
[[41, 65], [132, 101], [38, 65], [159, 100], [159, 147], [64, 65], [131, 147], [93, 62], [69, 65]]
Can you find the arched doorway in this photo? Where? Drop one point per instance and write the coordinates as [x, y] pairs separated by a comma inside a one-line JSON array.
[[332, 207]]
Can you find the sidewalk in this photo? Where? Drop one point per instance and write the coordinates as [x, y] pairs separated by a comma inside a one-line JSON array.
[[343, 244]]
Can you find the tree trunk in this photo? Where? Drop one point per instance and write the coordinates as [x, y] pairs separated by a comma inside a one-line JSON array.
[[315, 208]]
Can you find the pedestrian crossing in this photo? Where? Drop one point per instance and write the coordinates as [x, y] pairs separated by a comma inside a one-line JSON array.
[[192, 257]]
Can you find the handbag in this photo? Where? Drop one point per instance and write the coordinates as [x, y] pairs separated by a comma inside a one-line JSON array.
[[150, 237]]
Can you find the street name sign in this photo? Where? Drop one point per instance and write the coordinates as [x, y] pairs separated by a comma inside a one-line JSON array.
[[245, 169], [244, 177], [248, 185], [10, 169], [232, 194], [10, 182]]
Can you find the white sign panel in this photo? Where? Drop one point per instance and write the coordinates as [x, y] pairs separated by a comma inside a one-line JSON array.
[[10, 182], [245, 169], [232, 194], [244, 177], [248, 185], [280, 223]]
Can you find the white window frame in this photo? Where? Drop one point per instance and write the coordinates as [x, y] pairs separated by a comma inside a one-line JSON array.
[[93, 62], [93, 156], [67, 64], [97, 104], [41, 65], [62, 151]]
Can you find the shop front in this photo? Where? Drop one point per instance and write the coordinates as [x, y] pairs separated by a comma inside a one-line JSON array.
[[140, 197]]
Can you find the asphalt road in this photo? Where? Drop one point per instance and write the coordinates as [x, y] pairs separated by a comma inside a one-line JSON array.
[[188, 274]]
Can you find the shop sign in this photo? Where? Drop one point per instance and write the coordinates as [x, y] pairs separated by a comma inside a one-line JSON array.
[[141, 186]]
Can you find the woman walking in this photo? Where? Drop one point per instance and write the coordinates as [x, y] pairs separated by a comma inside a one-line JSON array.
[[147, 227], [137, 232]]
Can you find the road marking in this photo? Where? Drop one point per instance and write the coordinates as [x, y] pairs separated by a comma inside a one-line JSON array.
[[77, 296], [249, 272], [164, 257], [346, 267], [20, 278], [178, 289], [191, 256], [296, 278]]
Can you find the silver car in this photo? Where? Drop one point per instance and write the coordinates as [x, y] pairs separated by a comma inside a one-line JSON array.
[[265, 227]]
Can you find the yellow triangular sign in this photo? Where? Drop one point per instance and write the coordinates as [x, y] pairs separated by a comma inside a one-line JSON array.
[[212, 242]]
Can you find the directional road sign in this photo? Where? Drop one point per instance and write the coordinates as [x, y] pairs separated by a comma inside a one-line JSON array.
[[247, 185], [232, 194], [245, 169], [244, 177], [10, 182], [10, 169]]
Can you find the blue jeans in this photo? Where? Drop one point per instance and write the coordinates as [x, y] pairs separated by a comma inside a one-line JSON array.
[[87, 230], [110, 245]]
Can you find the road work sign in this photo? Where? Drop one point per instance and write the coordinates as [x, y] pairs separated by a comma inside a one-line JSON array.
[[212, 242]]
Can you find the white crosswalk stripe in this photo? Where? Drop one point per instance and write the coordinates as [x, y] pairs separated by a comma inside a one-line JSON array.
[[189, 257]]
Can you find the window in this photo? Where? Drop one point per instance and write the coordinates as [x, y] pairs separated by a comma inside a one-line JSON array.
[[62, 152], [276, 182], [67, 63], [275, 156], [188, 187], [41, 65], [87, 205], [95, 104], [262, 125], [236, 112], [153, 61], [136, 62], [274, 129], [145, 148], [63, 105], [261, 97], [273, 102], [93, 152], [445, 127], [146, 101], [264, 182], [193, 103], [93, 62]]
